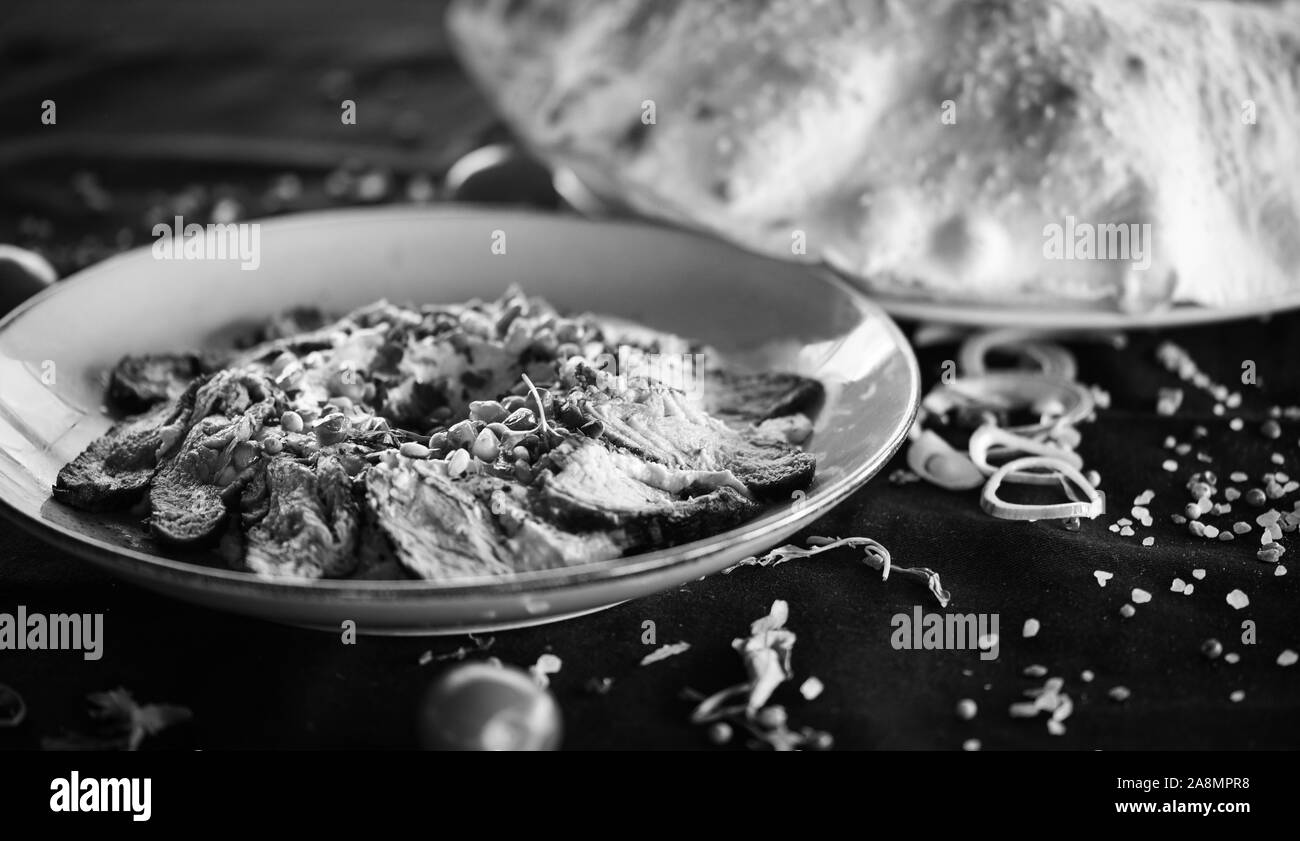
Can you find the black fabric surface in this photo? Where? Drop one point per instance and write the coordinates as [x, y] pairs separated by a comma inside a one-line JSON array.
[[158, 104]]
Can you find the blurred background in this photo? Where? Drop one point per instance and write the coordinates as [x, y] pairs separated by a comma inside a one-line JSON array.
[[219, 112]]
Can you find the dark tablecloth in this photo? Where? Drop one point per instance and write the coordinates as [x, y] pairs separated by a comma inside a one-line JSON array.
[[161, 106]]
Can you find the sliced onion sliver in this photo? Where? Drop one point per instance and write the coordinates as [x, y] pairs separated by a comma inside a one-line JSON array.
[[1093, 507], [1052, 359], [988, 437], [1006, 390], [937, 462]]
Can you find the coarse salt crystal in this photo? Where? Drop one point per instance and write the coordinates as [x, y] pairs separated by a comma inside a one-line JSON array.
[[1102, 577], [1055, 727], [971, 745], [1287, 658], [1086, 675], [1127, 611], [1031, 628], [1198, 574], [1238, 599], [1232, 657], [1178, 586], [1140, 596], [1187, 591], [1279, 570], [1127, 531], [1148, 541], [1237, 696], [1170, 465], [1119, 693], [1212, 532], [1035, 671], [1238, 476], [811, 688]]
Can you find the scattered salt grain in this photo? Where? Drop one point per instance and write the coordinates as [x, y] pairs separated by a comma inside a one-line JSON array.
[[1127, 611], [1102, 577], [1238, 599], [1279, 570], [811, 688], [1187, 591], [1170, 466], [1119, 693], [1148, 541], [1287, 658], [988, 642], [1238, 476], [1212, 532], [1198, 574], [1055, 727], [971, 745], [1212, 649], [1127, 531], [1086, 676], [1178, 586], [966, 709], [1035, 671], [1231, 494], [1237, 696], [1232, 658], [1141, 596], [1031, 629], [1235, 424]]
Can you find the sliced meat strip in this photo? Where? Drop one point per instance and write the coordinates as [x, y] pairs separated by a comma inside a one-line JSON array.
[[664, 428], [311, 527], [754, 398], [592, 487], [117, 467], [438, 529]]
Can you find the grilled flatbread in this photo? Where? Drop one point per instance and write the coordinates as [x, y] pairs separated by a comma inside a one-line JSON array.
[[1105, 154]]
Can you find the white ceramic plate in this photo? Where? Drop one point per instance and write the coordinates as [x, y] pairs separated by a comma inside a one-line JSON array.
[[56, 349], [1048, 317], [1065, 318]]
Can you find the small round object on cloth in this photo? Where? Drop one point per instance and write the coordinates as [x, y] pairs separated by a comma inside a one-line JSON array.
[[480, 706]]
